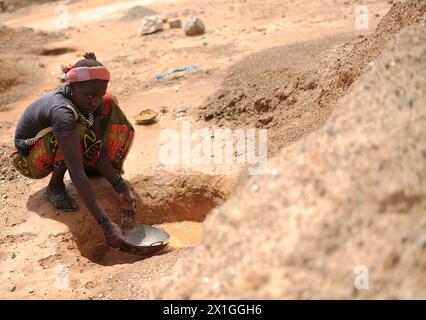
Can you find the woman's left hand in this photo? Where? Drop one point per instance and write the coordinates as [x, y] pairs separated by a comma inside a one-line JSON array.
[[127, 207]]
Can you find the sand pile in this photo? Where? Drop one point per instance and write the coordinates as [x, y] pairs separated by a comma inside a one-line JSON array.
[[345, 202], [20, 68], [138, 12], [292, 90], [12, 5], [25, 39], [12, 74]]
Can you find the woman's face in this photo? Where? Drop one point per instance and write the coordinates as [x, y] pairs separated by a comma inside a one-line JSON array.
[[88, 95]]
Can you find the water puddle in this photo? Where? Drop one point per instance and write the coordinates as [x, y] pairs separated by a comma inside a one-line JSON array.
[[182, 234]]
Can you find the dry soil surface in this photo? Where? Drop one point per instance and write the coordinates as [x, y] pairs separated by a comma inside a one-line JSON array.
[[345, 130]]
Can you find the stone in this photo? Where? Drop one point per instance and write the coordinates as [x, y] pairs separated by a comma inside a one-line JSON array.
[[151, 24], [193, 27], [275, 172], [255, 188], [208, 116], [176, 23], [265, 119], [404, 236], [188, 12], [3, 7]]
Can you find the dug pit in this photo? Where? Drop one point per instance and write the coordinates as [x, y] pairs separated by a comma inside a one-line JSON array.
[[177, 203]]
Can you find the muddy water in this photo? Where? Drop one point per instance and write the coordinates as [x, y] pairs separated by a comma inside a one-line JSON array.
[[182, 234]]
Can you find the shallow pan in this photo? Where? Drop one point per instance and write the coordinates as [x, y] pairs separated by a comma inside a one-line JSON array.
[[146, 239], [146, 116]]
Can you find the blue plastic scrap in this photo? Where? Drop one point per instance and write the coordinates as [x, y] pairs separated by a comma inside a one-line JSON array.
[[163, 75]]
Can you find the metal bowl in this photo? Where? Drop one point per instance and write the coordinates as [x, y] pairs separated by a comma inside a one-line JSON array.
[[146, 239]]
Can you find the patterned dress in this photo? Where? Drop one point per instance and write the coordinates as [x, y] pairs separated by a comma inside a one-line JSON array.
[[118, 133]]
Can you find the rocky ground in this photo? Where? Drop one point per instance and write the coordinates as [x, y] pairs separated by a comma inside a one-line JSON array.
[[344, 110]]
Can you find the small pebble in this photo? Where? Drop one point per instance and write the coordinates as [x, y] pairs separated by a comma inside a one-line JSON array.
[[275, 172], [206, 280], [319, 264], [255, 188], [404, 236], [422, 241], [13, 255], [31, 291], [13, 288]]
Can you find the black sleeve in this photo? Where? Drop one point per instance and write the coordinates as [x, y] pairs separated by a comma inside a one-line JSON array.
[[63, 121]]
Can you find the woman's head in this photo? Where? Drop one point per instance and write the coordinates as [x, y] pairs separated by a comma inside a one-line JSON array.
[[87, 94]]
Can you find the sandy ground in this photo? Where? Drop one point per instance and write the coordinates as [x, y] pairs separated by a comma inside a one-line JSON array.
[[342, 217], [39, 246]]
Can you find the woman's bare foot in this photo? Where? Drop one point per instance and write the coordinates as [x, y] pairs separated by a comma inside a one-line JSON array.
[[57, 194]]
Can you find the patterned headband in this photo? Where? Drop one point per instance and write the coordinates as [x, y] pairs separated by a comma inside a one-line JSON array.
[[85, 74]]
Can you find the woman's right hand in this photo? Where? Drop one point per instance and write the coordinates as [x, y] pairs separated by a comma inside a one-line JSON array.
[[115, 237], [71, 149]]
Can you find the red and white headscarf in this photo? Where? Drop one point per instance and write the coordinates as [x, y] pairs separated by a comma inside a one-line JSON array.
[[80, 74]]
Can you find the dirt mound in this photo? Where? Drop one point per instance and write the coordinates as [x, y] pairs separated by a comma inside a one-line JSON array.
[[274, 89], [292, 93], [138, 12], [19, 71], [343, 72], [12, 74], [25, 39], [12, 5], [344, 215]]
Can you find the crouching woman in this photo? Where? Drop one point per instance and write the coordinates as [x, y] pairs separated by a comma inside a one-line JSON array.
[[78, 128]]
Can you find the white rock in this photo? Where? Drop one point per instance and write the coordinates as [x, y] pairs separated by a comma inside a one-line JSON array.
[[150, 24], [275, 172], [255, 188]]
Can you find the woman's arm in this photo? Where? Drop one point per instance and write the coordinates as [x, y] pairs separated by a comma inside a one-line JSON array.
[[71, 149], [104, 166]]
